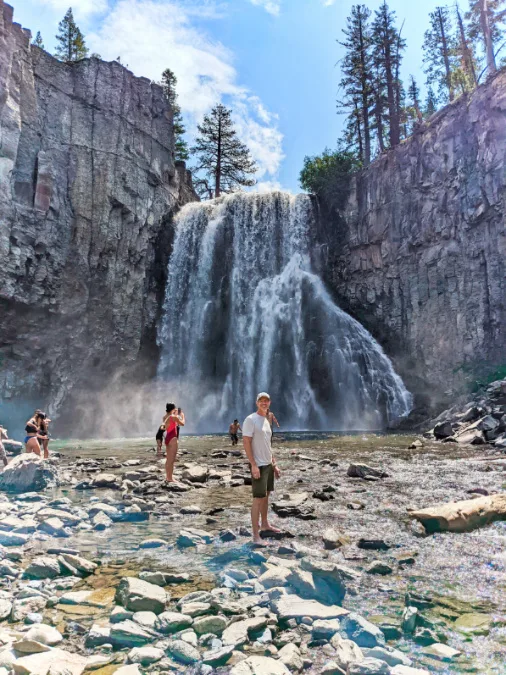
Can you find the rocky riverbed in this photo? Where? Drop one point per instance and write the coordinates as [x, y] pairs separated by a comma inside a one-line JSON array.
[[107, 569]]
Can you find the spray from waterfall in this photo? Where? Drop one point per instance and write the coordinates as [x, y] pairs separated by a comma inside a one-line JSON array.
[[244, 312]]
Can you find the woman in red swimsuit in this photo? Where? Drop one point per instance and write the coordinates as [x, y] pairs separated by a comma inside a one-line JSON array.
[[171, 421]]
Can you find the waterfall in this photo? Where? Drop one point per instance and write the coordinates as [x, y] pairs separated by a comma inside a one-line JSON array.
[[244, 312]]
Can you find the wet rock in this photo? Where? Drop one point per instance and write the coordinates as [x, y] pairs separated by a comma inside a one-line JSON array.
[[12, 539], [389, 655], [441, 652], [238, 633], [172, 622], [192, 537], [153, 543], [196, 474], [409, 619], [443, 429], [274, 577], [365, 472], [333, 539], [145, 655], [369, 667], [259, 665], [27, 473], [183, 652], [209, 624], [227, 535], [379, 567], [330, 668], [218, 657], [362, 632], [293, 506], [474, 624], [190, 510], [308, 585], [137, 595], [373, 544], [100, 507], [77, 565], [83, 598], [347, 652], [425, 636], [98, 635], [129, 634], [106, 480], [463, 516], [54, 527], [101, 521], [295, 607]]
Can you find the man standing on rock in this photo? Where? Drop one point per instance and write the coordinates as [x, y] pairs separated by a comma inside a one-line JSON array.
[[256, 435]]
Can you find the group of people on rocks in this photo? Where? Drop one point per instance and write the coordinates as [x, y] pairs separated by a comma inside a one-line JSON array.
[[257, 432], [36, 436]]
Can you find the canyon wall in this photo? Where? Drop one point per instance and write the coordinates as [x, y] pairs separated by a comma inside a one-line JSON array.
[[88, 186], [418, 254]]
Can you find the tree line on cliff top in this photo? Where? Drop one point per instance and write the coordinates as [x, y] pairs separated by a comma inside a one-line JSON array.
[[460, 50]]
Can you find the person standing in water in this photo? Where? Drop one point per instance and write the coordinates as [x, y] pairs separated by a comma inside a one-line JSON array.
[[256, 436], [171, 421], [232, 430], [272, 421]]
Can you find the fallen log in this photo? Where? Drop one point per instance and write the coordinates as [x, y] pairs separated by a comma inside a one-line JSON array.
[[462, 516]]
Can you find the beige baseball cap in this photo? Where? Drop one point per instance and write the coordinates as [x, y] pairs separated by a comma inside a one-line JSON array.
[[263, 394]]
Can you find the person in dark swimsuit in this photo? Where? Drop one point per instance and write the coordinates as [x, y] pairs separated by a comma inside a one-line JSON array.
[[171, 421], [32, 432], [44, 433], [159, 439], [232, 430]]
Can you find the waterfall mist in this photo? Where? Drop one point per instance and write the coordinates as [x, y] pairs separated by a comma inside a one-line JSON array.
[[244, 312]]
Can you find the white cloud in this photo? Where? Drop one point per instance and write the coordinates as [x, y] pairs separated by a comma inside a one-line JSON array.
[[271, 6], [269, 186], [328, 3], [150, 36], [80, 8]]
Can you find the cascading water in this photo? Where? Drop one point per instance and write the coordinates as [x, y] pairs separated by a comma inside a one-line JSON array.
[[244, 313]]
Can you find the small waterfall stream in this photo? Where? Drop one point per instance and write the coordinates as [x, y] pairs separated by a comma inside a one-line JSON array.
[[244, 312]]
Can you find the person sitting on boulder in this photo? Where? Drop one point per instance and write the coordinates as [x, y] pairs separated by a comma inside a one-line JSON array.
[[3, 454]]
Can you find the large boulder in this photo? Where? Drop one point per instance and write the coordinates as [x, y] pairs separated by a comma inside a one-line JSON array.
[[462, 516], [260, 665], [443, 429], [28, 473], [365, 472], [138, 596]]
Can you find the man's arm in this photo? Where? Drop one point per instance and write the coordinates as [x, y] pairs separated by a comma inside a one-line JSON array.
[[248, 448]]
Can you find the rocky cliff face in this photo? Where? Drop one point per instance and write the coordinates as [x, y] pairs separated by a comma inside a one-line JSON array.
[[418, 255], [88, 186]]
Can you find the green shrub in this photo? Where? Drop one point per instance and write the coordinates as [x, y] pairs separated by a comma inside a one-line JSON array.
[[328, 175]]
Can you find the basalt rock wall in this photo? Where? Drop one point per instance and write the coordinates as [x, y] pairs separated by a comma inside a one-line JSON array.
[[418, 254], [88, 186]]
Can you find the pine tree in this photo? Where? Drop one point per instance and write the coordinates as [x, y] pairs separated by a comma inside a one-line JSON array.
[[486, 24], [37, 40], [169, 82], [413, 111], [466, 74], [388, 46], [356, 82], [431, 103], [222, 157], [71, 44], [439, 53]]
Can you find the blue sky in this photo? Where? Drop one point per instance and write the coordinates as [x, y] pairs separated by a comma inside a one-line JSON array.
[[272, 61]]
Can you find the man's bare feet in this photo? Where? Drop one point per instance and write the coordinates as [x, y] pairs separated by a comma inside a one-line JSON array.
[[258, 541], [270, 528]]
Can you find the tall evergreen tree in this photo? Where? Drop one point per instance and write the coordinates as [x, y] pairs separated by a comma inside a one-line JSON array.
[[169, 82], [37, 40], [486, 25], [71, 44], [431, 103], [356, 82], [388, 46], [222, 158], [439, 53], [466, 75], [413, 110]]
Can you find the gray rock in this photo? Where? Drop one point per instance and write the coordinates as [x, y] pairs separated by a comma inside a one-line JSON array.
[[12, 539], [26, 473], [389, 655], [153, 543], [333, 539], [101, 521], [145, 655], [183, 652], [325, 629], [172, 622], [294, 607], [365, 471], [409, 619], [369, 667], [238, 632], [218, 657], [21, 607], [98, 635], [43, 567], [192, 537], [379, 567], [209, 624], [196, 474], [44, 634], [145, 619], [78, 565], [291, 657], [137, 595], [443, 429], [259, 665], [106, 480], [347, 652], [54, 527], [129, 634], [361, 631]]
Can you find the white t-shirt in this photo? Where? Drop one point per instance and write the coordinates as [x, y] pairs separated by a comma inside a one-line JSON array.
[[258, 429]]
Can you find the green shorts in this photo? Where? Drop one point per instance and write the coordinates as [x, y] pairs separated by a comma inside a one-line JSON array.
[[261, 486]]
